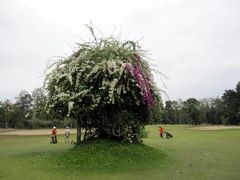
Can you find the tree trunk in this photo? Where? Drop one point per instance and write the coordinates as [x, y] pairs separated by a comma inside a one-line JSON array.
[[86, 127], [79, 126], [6, 124], [85, 134], [71, 124]]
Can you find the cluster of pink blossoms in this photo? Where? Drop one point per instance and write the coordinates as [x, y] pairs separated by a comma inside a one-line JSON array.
[[142, 81]]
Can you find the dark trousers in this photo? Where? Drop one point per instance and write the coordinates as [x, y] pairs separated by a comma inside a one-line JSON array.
[[54, 139], [161, 135]]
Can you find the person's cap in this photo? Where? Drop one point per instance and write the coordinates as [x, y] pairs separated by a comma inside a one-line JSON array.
[[67, 127], [54, 127]]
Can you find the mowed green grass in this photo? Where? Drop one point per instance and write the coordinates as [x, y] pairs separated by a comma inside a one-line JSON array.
[[191, 154]]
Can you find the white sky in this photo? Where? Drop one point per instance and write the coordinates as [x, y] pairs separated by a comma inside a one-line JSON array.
[[196, 43]]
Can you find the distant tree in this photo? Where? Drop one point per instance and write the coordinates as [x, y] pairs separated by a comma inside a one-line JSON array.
[[182, 115], [24, 101], [171, 112], [231, 100], [38, 117], [203, 109], [156, 113], [216, 112], [168, 112], [39, 99], [23, 108], [7, 111], [177, 108], [191, 106]]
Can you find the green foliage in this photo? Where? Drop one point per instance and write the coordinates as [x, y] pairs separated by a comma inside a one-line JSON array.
[[191, 107], [216, 112], [224, 110], [28, 112], [194, 111], [231, 99], [171, 112], [7, 110], [39, 102], [24, 101], [22, 112], [98, 82]]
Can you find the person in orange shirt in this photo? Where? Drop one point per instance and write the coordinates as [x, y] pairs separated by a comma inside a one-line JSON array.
[[54, 135], [161, 130]]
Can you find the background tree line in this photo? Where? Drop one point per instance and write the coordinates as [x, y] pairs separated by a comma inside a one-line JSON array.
[[28, 111], [221, 110]]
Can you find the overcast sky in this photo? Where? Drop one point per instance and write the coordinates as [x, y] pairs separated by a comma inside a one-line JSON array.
[[196, 43]]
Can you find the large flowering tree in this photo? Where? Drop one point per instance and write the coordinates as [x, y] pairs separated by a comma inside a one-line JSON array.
[[107, 86]]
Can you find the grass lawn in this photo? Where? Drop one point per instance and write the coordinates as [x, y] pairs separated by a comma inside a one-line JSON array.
[[191, 154]]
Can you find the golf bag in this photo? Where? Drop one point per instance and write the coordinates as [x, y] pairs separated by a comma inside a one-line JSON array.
[[168, 135]]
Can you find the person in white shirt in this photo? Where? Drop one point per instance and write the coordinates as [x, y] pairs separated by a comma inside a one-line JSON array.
[[67, 135]]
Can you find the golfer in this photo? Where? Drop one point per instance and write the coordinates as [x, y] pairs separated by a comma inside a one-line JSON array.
[[54, 135], [161, 130], [67, 135]]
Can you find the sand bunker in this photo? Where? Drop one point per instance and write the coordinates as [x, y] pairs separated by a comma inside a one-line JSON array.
[[32, 132], [220, 127]]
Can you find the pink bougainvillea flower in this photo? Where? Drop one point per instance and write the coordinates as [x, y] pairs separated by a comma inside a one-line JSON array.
[[141, 80]]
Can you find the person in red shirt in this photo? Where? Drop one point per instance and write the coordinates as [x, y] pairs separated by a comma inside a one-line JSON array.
[[161, 130], [54, 135]]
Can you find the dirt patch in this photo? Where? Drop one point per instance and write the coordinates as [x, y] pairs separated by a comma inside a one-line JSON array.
[[33, 132], [2, 130], [209, 128]]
